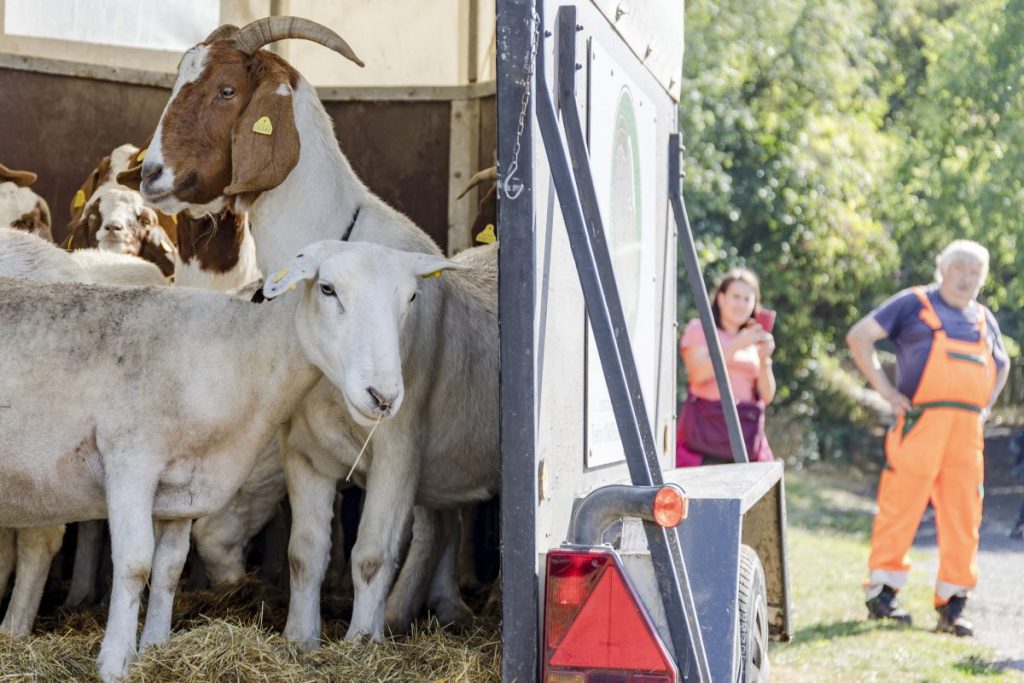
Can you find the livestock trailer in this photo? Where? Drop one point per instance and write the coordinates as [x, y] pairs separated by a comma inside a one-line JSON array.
[[577, 104], [590, 215]]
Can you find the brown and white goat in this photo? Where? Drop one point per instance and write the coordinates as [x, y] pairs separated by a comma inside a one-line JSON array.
[[109, 216], [20, 207], [269, 147]]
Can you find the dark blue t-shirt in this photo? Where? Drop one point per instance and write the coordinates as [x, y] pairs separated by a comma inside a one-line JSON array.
[[900, 318]]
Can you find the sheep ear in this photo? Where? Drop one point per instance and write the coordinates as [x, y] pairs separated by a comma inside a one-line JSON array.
[[430, 266], [264, 141], [19, 178], [303, 267]]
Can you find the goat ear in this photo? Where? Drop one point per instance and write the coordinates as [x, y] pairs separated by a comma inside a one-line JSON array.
[[429, 265], [158, 248], [169, 223], [303, 267], [132, 178], [264, 140], [19, 178]]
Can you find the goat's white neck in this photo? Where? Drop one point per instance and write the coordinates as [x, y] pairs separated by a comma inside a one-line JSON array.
[[318, 198]]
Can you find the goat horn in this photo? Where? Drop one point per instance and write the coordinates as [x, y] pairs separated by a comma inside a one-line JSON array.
[[19, 178], [225, 31], [488, 174], [253, 36]]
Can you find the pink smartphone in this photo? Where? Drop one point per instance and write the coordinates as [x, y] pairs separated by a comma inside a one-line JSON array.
[[766, 319]]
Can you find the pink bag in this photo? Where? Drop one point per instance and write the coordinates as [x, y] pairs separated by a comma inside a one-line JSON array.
[[704, 431]]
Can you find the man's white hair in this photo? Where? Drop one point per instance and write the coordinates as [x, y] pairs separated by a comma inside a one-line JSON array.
[[965, 251]]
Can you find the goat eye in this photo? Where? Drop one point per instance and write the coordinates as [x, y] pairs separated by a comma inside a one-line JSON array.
[[412, 298], [227, 92], [326, 289]]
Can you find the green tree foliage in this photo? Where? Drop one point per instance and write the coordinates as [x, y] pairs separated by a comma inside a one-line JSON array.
[[835, 146]]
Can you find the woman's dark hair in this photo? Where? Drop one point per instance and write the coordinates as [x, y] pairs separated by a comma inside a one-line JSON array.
[[734, 275]]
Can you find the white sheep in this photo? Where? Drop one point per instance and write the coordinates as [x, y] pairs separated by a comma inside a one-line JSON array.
[[285, 167], [32, 549], [151, 461]]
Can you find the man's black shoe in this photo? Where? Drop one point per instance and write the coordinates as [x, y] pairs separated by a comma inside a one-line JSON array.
[[886, 605], [951, 618]]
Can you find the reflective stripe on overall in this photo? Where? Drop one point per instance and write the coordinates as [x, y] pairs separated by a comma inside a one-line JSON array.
[[935, 452]]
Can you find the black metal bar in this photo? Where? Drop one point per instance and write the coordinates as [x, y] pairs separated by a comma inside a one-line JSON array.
[[520, 623], [593, 264], [700, 297]]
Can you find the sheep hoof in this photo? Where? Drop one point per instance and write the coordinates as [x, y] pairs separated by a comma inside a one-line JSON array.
[[452, 611]]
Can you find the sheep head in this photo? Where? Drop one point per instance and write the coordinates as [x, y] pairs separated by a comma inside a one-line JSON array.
[[355, 298], [228, 130]]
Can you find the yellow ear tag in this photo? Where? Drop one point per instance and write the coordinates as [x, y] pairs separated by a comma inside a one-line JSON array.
[[487, 235], [280, 276], [79, 201], [141, 156], [263, 126], [435, 274], [174, 218]]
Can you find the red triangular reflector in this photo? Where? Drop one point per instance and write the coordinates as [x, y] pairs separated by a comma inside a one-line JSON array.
[[609, 632]]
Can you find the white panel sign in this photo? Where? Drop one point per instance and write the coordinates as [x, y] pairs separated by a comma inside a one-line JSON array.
[[623, 158], [173, 25]]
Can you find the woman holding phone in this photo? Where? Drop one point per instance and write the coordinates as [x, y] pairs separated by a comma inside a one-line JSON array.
[[744, 331]]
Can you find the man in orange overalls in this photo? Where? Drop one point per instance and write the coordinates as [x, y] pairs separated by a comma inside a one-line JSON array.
[[950, 367]]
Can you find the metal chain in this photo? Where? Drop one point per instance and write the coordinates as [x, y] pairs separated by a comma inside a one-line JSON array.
[[514, 187]]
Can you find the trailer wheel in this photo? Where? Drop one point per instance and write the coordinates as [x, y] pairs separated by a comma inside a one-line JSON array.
[[752, 618]]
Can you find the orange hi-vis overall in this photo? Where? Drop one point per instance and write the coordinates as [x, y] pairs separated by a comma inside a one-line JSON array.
[[935, 452]]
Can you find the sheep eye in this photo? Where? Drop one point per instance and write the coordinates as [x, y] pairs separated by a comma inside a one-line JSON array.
[[326, 289], [227, 92]]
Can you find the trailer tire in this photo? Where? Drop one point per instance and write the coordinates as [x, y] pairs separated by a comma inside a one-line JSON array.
[[752, 618]]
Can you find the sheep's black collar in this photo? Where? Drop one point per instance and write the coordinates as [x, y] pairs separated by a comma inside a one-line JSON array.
[[258, 298], [351, 226]]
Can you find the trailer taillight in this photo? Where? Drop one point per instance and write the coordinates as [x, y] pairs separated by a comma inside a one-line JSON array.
[[670, 506], [596, 630]]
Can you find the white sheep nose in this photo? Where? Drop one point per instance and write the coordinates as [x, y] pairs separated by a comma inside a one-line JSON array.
[[381, 402]]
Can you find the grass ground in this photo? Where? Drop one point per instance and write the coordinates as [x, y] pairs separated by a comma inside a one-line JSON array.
[[829, 524]]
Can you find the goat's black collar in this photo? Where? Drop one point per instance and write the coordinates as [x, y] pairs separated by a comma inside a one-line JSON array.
[[258, 298], [351, 226]]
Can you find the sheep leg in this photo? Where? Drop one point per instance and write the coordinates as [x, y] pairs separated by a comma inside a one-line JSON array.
[[130, 511], [311, 496], [218, 542], [445, 597], [410, 590], [168, 563], [389, 494], [36, 547], [87, 562], [7, 556]]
